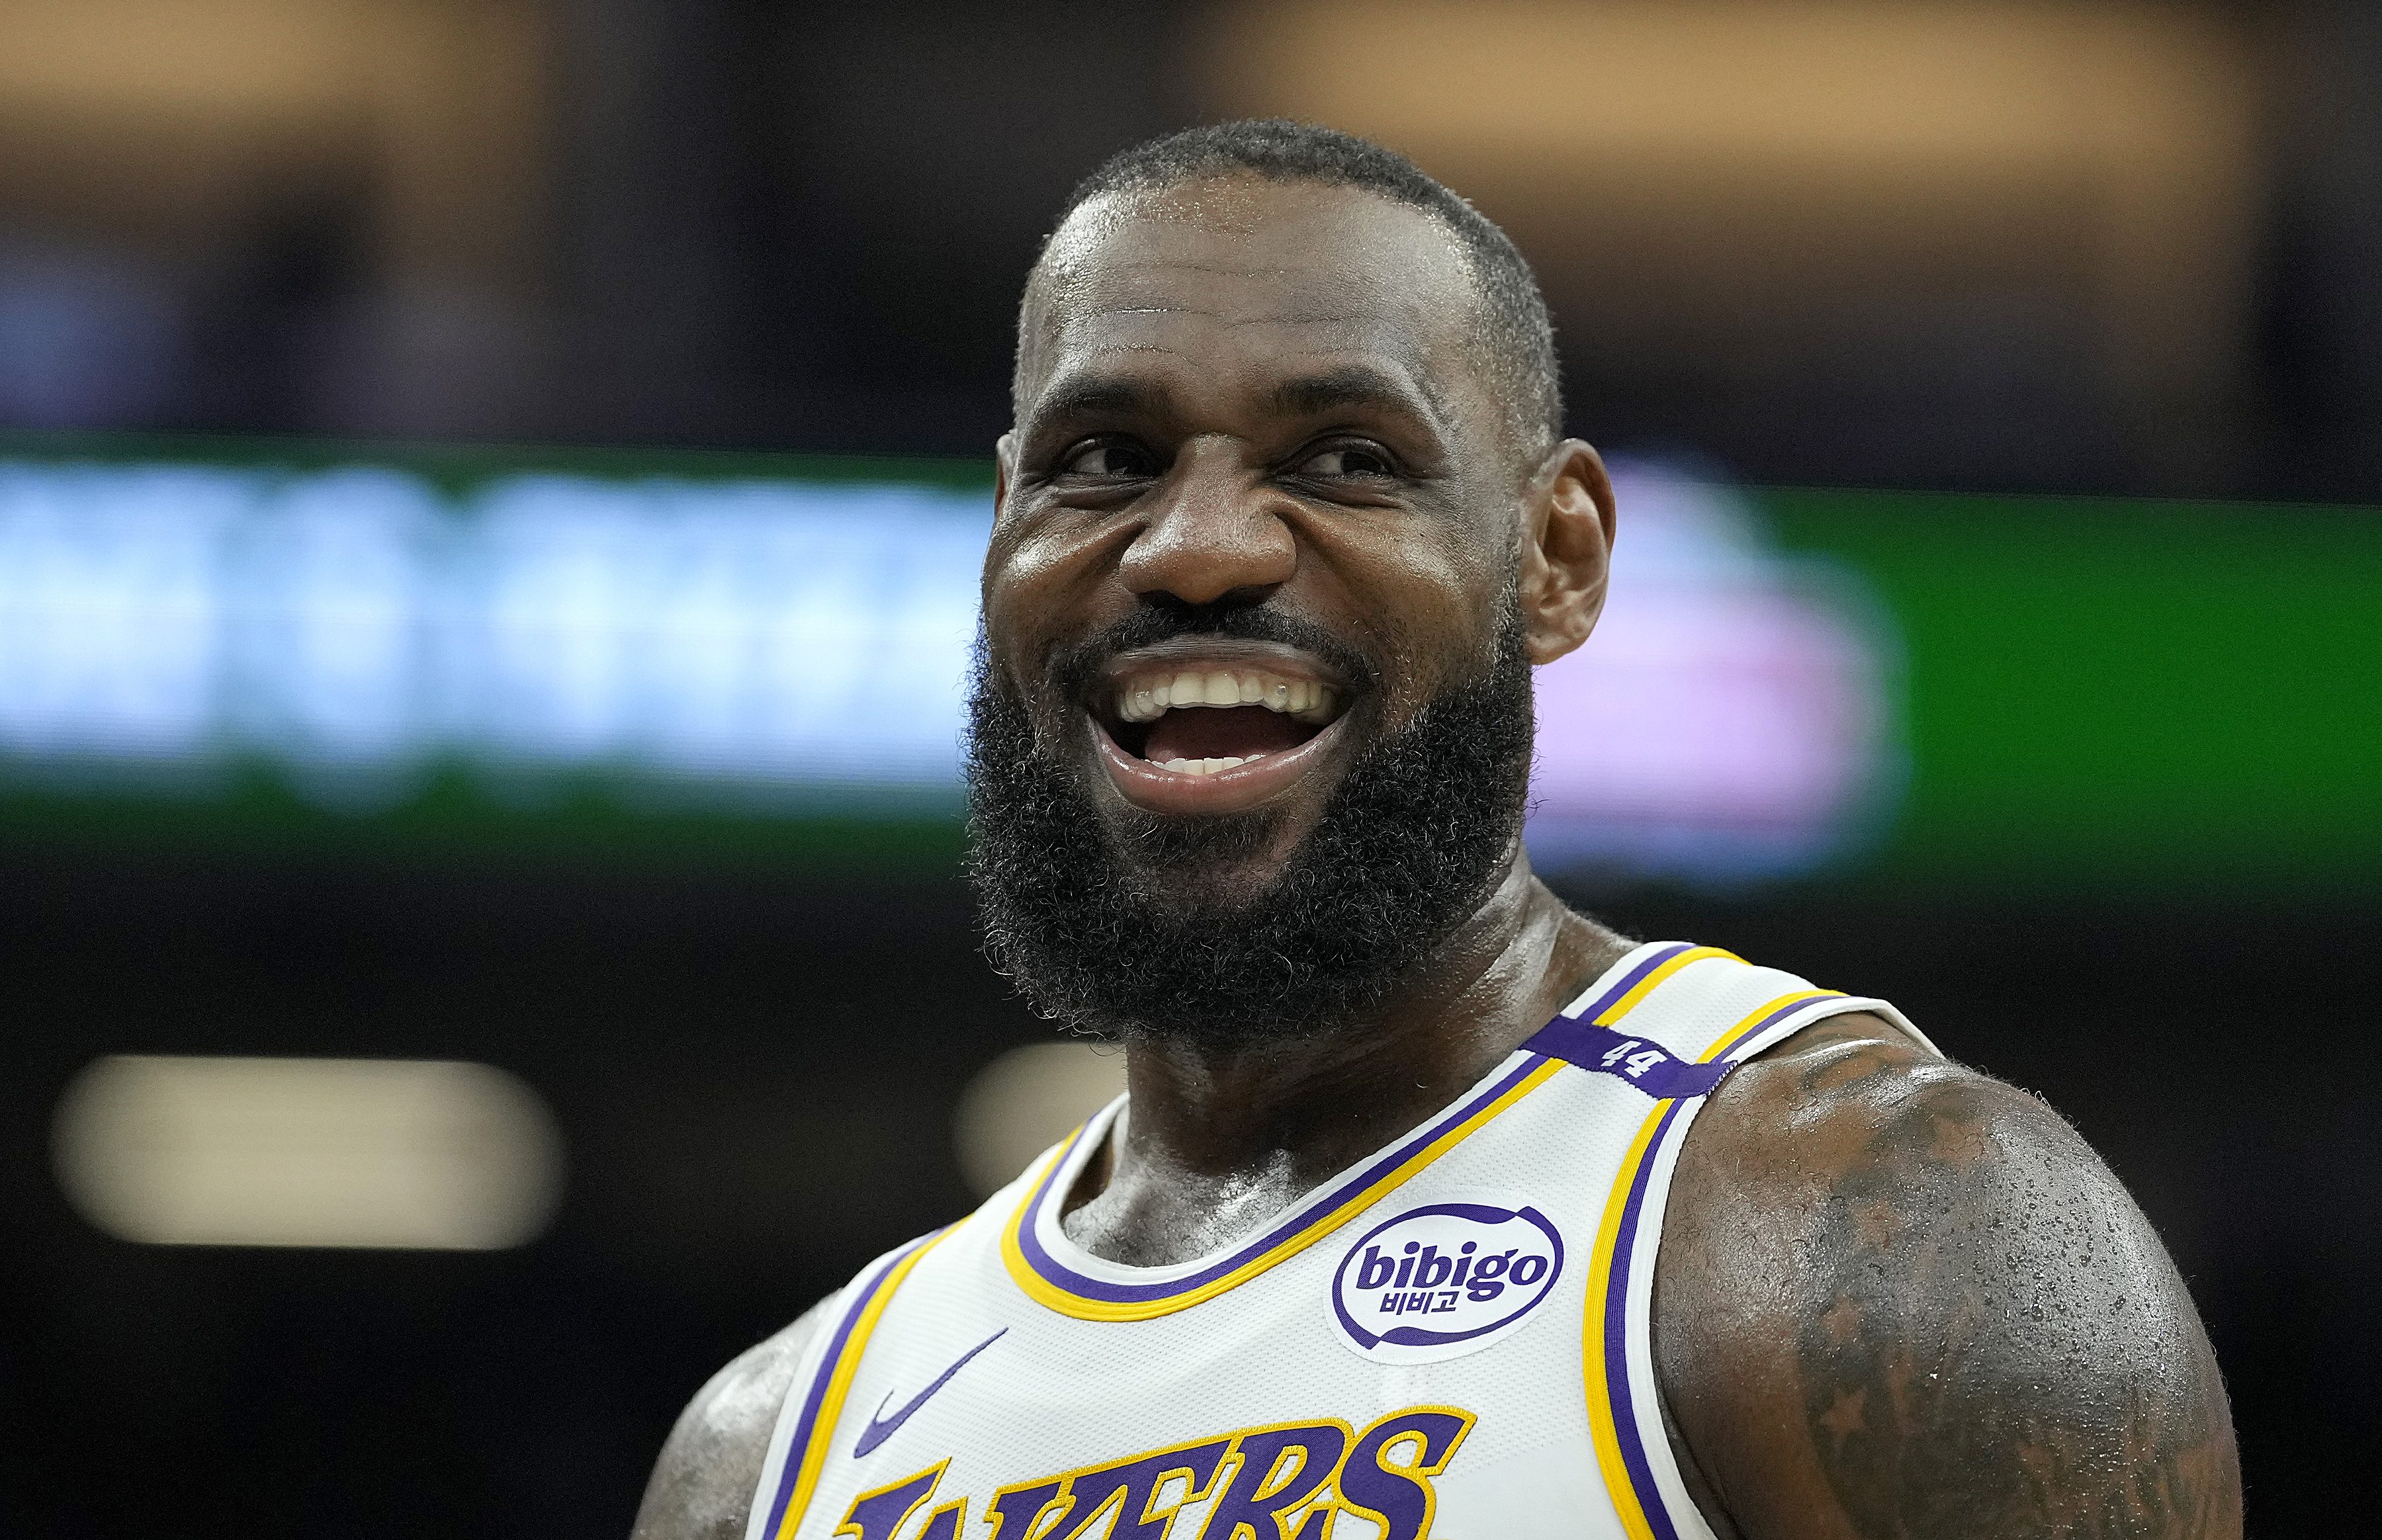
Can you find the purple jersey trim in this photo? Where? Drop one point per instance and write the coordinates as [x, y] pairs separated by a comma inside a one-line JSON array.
[[1632, 1060], [1624, 984], [805, 1423], [1617, 1340], [1617, 1297], [1053, 1271]]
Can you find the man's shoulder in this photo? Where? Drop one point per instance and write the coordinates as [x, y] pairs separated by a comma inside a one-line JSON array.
[[1854, 1110], [703, 1484], [1896, 1289]]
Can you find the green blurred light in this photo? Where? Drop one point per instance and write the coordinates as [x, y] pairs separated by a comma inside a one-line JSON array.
[[2095, 692], [2122, 690]]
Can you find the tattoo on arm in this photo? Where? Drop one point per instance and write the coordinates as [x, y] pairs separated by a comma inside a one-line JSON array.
[[1980, 1333]]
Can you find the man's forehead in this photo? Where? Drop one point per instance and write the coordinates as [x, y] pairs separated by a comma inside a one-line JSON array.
[[1303, 234], [1311, 266]]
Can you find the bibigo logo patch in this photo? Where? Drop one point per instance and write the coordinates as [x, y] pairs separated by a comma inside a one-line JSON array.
[[1444, 1279]]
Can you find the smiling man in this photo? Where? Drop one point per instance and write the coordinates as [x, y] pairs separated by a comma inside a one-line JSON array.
[[1435, 1208]]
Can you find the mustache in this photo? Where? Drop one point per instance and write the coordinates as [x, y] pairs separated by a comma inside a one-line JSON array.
[[1073, 668]]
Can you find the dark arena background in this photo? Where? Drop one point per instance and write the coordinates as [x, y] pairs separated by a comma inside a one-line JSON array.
[[490, 494]]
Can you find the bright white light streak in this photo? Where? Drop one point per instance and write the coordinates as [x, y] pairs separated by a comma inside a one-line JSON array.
[[1027, 1100], [401, 1154], [333, 593], [565, 574], [109, 593]]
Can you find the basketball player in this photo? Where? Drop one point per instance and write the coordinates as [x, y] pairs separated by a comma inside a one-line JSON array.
[[1435, 1208]]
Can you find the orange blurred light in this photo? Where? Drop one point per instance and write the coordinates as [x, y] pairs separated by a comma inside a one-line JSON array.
[[1732, 178]]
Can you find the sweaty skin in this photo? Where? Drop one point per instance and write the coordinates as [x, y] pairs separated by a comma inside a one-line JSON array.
[[1894, 1297]]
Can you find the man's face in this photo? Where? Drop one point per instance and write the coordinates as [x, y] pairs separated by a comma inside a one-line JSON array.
[[1246, 394], [1253, 698]]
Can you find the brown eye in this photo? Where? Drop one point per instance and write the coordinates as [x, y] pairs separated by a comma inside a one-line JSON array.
[[1343, 460], [1109, 459]]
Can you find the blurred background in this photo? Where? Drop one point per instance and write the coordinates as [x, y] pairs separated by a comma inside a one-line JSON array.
[[489, 499]]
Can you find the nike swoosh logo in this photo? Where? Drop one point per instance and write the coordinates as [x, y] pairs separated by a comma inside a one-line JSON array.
[[880, 1427]]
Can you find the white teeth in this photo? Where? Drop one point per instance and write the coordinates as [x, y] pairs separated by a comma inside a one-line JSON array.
[[1208, 767], [1146, 697]]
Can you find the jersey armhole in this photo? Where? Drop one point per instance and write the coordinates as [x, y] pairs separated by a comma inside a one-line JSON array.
[[807, 1423], [765, 1508], [1642, 1475]]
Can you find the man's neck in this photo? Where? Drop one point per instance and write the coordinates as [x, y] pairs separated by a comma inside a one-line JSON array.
[[1221, 1138]]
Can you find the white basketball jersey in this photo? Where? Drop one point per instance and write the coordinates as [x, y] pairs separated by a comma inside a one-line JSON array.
[[1449, 1337]]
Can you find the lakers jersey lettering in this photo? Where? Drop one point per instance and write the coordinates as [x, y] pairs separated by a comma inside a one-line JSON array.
[[1451, 1335], [1255, 1483]]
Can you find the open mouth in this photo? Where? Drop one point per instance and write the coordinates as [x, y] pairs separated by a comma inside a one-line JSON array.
[[1195, 732], [1203, 721]]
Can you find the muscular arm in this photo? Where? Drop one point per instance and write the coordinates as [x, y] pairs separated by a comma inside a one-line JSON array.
[[702, 1486], [1897, 1298]]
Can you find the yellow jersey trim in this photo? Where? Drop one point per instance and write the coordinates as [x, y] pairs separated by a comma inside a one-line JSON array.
[[1623, 1216], [839, 1384], [1332, 1217]]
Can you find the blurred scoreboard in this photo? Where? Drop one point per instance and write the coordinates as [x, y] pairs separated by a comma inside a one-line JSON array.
[[764, 653], [355, 626]]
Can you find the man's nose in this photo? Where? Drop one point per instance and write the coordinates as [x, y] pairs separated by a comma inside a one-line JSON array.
[[1213, 529]]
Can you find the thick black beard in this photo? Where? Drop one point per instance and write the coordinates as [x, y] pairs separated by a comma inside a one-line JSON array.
[[1148, 943]]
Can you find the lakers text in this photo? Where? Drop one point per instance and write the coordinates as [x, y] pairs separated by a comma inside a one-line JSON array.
[[1286, 1481]]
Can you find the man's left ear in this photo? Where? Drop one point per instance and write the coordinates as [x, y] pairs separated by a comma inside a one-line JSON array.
[[1566, 549], [1004, 464]]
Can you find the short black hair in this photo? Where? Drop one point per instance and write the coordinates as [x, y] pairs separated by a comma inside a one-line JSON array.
[[1516, 341]]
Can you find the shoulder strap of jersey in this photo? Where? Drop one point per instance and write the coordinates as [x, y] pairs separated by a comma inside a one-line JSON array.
[[1673, 1020]]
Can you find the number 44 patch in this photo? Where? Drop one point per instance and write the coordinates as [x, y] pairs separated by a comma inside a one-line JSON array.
[[1650, 1067], [1633, 1058]]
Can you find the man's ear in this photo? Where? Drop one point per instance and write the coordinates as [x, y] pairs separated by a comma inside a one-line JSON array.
[[1566, 549], [1004, 459]]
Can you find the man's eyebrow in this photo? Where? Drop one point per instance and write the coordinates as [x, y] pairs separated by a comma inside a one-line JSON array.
[[1353, 384], [1097, 395]]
